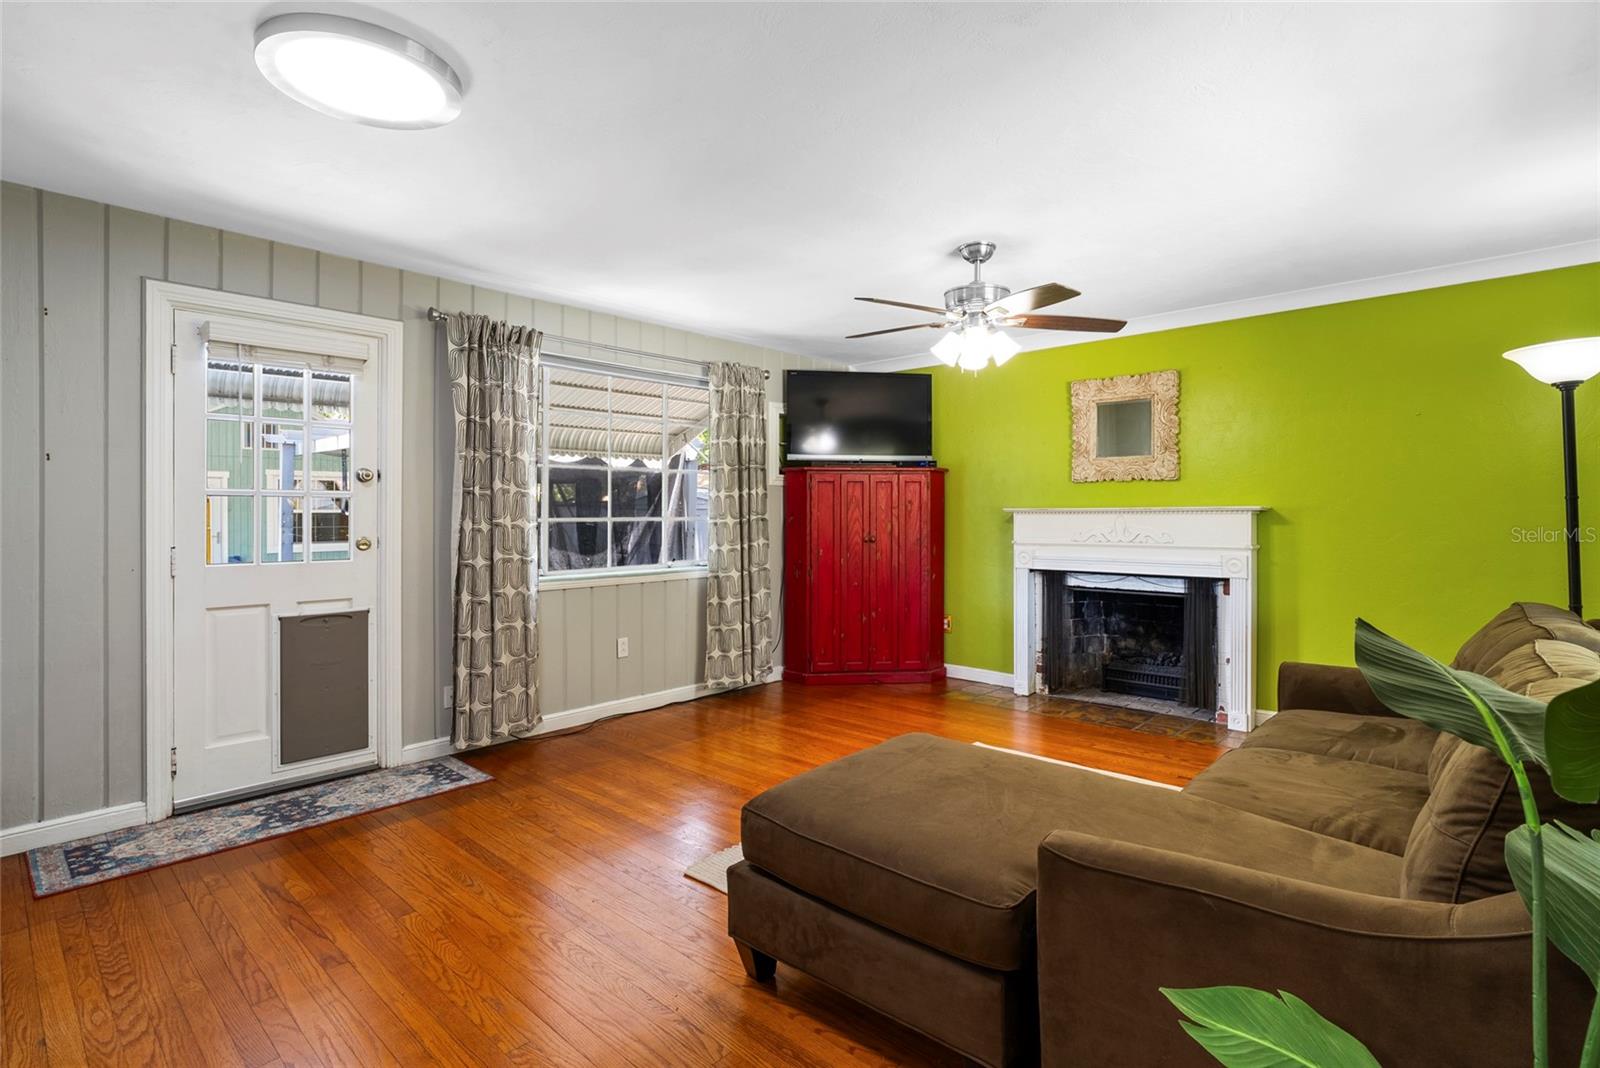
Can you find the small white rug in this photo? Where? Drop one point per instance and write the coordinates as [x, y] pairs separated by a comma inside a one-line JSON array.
[[1080, 767], [713, 870]]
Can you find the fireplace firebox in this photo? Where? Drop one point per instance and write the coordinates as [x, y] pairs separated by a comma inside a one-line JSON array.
[[1141, 635]]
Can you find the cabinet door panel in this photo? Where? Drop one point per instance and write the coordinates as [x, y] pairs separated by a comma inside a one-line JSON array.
[[852, 557], [911, 595], [823, 580], [882, 572]]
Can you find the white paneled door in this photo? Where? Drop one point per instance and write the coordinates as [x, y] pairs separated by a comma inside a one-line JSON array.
[[275, 516]]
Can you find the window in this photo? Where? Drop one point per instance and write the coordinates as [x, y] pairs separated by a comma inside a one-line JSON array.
[[621, 482], [277, 449]]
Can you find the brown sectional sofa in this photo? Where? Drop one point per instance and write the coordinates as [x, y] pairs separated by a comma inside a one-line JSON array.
[[1015, 909]]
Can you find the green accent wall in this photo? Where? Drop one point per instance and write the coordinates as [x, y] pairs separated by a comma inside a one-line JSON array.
[[1399, 453]]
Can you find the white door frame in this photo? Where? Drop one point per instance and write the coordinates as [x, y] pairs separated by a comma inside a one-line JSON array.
[[383, 338]]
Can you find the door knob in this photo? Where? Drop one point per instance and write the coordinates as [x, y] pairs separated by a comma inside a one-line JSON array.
[[363, 544], [365, 474]]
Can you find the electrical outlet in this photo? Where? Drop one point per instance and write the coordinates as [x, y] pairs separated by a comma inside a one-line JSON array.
[[448, 700], [622, 648], [947, 624]]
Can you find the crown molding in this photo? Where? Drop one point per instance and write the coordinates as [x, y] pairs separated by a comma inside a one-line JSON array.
[[1542, 259]]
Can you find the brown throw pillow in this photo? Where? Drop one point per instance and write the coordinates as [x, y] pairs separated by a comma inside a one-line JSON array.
[[1457, 848]]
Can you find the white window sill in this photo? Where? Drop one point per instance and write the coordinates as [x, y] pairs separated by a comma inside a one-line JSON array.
[[618, 577]]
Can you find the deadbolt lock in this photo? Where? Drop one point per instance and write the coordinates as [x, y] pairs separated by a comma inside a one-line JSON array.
[[365, 474], [363, 544]]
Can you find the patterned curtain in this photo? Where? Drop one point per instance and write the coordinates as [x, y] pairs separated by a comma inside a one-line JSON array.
[[494, 385], [739, 587]]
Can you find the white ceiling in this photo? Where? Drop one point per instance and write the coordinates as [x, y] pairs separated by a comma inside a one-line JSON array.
[[745, 170]]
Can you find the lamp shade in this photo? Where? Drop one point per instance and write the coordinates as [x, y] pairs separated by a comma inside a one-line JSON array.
[[972, 347], [1573, 360], [1002, 347], [948, 348]]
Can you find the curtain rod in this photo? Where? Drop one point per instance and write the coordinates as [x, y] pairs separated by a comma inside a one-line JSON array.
[[437, 316]]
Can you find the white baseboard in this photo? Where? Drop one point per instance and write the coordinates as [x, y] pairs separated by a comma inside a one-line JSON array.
[[1262, 715], [972, 674], [575, 717], [578, 717], [28, 836], [433, 747]]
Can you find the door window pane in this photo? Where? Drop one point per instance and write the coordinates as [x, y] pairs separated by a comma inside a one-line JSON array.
[[281, 530], [230, 388], [283, 392], [330, 458], [263, 458], [330, 528], [575, 546], [228, 528], [283, 448], [330, 396], [230, 453], [636, 544]]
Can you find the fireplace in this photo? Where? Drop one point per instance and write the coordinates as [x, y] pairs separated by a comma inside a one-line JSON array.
[[1178, 588], [1141, 635]]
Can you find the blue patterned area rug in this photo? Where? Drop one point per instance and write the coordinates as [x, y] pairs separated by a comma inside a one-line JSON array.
[[154, 845]]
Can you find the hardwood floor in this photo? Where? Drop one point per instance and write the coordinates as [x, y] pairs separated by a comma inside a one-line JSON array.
[[539, 919]]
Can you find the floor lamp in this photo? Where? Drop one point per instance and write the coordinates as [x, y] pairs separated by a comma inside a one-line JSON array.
[[1566, 365]]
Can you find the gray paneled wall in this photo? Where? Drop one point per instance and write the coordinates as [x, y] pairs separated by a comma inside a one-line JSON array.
[[71, 524]]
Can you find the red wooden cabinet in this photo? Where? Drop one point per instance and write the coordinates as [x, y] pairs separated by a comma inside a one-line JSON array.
[[863, 574]]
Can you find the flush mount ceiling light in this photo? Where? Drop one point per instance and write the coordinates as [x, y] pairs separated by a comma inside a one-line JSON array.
[[357, 71]]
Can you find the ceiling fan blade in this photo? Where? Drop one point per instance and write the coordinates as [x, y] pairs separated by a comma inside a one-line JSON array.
[[896, 330], [1066, 322], [1027, 300], [902, 304]]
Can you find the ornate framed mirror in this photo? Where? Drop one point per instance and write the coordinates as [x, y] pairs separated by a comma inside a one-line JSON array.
[[1125, 429]]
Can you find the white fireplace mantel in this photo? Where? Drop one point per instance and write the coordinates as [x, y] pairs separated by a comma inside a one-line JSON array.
[[1197, 542]]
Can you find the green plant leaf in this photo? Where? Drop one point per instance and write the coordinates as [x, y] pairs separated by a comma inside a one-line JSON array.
[[1245, 1028], [1572, 743], [1416, 685], [1571, 889]]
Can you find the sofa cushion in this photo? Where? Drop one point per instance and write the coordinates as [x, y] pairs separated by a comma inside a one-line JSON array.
[[1522, 624], [933, 839], [1387, 741], [1359, 802], [1457, 848]]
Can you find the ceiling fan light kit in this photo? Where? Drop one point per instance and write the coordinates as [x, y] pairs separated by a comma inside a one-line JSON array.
[[975, 312]]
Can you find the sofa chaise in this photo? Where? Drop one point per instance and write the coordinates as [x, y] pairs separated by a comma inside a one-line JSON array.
[[1018, 910]]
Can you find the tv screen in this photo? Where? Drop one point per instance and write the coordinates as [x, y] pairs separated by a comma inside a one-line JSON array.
[[856, 415]]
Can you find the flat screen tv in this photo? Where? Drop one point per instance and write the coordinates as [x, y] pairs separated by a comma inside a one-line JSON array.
[[859, 415]]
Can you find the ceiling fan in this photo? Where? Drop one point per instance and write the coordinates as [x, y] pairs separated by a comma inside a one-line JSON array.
[[974, 313]]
